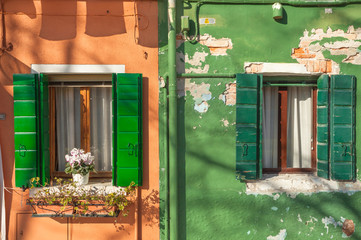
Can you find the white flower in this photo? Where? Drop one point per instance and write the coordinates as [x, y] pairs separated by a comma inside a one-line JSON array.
[[74, 152]]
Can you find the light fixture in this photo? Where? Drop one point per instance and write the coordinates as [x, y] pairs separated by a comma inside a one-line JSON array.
[[277, 10]]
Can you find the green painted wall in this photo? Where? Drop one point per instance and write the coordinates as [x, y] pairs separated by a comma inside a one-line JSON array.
[[213, 204]]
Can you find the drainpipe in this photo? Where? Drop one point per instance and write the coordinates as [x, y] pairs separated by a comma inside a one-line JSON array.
[[284, 2], [173, 135]]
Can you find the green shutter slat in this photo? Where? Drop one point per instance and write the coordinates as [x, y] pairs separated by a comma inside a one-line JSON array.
[[127, 130], [44, 129], [249, 126], [26, 128], [342, 127], [323, 127]]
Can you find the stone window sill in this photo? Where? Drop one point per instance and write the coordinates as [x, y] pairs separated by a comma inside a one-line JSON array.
[[293, 184]]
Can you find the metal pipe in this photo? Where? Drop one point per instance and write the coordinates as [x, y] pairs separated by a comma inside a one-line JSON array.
[[173, 134], [206, 75], [289, 85], [284, 2]]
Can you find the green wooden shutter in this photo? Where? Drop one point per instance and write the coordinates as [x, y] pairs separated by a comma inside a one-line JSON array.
[[323, 126], [342, 127], [127, 129], [26, 128], [249, 126], [44, 153]]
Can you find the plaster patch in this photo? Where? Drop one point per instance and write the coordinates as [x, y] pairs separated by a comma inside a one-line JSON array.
[[225, 122], [199, 92], [205, 69], [180, 62], [161, 82], [312, 219], [202, 108], [197, 59], [313, 45], [299, 218], [276, 196], [294, 184], [229, 96], [330, 220], [281, 236], [217, 47]]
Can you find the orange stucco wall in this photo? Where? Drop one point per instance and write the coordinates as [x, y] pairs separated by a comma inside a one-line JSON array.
[[82, 32]]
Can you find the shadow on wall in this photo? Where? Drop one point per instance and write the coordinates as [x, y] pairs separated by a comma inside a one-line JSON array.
[[58, 21], [104, 18], [8, 66], [20, 6], [146, 25]]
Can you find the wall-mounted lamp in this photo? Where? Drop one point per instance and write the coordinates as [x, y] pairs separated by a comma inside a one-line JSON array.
[[277, 11]]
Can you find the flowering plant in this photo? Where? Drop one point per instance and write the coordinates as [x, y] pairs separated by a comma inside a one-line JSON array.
[[79, 162]]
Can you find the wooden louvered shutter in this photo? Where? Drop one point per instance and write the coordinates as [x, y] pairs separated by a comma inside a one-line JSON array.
[[323, 126], [249, 126], [127, 129], [26, 128], [342, 127]]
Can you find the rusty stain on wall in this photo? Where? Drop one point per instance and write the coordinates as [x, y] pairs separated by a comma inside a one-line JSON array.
[[348, 227], [229, 95], [217, 47], [200, 93]]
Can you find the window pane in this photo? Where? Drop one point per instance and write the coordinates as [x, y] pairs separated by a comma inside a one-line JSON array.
[[299, 127], [270, 127], [67, 122], [101, 127]]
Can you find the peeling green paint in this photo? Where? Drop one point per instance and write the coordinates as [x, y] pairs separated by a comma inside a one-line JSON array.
[[213, 205]]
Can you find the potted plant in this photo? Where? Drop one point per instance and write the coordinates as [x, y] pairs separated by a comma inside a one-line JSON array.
[[66, 199], [80, 164]]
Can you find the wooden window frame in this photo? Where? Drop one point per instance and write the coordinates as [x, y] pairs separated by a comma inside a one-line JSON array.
[[84, 133], [282, 146]]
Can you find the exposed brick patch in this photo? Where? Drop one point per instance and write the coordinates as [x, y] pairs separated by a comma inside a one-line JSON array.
[[254, 68], [312, 48], [217, 47], [229, 95], [302, 53]]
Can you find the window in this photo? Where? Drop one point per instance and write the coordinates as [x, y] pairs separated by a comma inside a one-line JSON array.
[[80, 115], [288, 128], [40, 132], [335, 130]]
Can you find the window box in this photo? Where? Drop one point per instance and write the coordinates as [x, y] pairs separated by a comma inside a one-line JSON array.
[[41, 208], [68, 200]]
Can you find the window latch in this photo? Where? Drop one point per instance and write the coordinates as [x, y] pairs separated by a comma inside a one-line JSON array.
[[130, 149], [245, 150], [345, 151], [22, 150]]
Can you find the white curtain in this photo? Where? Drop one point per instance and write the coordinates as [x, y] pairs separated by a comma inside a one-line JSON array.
[[270, 127], [101, 127], [299, 127], [67, 122], [68, 125]]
